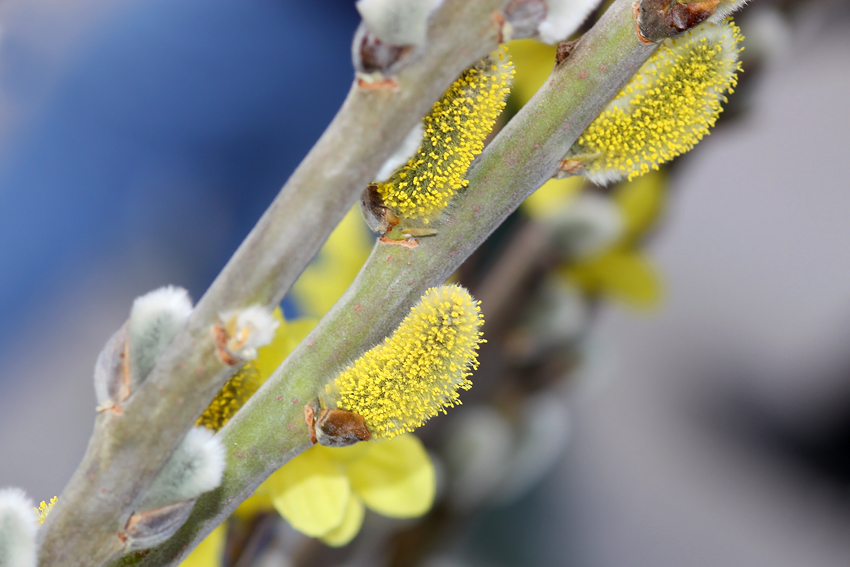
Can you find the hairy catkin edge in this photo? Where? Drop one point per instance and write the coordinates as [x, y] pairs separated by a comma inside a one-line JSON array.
[[454, 134], [416, 372], [667, 107]]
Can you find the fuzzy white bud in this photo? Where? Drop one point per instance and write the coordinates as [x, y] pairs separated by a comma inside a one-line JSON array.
[[725, 9], [402, 155], [111, 378], [555, 319], [398, 22], [587, 225], [541, 440], [563, 18], [194, 468], [17, 529], [155, 319], [476, 451], [248, 329]]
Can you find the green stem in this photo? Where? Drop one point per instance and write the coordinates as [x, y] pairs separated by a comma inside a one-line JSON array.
[[270, 429]]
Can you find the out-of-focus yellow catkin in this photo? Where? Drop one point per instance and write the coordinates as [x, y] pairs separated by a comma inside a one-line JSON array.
[[667, 107], [44, 509], [231, 397], [417, 372], [454, 133]]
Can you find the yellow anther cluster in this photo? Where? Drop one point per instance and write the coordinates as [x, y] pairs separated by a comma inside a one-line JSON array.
[[417, 372], [454, 133], [667, 107], [232, 396], [44, 509]]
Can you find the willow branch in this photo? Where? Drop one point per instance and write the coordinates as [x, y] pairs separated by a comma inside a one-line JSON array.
[[270, 429], [127, 449]]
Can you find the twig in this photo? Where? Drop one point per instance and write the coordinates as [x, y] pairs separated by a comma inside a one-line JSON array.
[[522, 260], [269, 430], [127, 450]]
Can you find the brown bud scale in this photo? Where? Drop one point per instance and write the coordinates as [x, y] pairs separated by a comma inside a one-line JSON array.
[[340, 428]]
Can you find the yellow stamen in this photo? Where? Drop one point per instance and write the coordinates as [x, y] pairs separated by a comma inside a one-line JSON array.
[[417, 372], [455, 130]]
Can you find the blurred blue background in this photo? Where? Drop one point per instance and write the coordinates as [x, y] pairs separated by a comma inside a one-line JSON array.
[[170, 127]]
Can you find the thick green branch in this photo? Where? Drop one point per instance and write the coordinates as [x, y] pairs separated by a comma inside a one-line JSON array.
[[127, 449], [270, 429]]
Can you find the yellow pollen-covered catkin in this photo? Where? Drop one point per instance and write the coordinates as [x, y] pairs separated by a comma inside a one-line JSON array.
[[44, 509], [667, 107], [417, 372], [231, 397], [454, 133]]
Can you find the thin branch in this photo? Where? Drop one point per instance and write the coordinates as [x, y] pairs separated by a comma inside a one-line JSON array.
[[127, 449], [522, 260], [270, 429]]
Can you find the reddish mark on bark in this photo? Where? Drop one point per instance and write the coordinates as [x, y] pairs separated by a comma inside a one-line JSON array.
[[386, 84], [221, 337], [182, 365], [478, 208], [290, 426], [295, 401], [239, 455], [567, 125], [389, 258], [583, 75], [311, 343], [602, 67], [407, 243], [279, 398], [357, 308], [500, 21], [410, 282], [409, 265], [103, 490], [537, 145]]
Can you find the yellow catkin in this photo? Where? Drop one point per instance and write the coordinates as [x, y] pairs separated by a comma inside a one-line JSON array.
[[667, 107], [417, 372], [454, 133], [44, 509], [232, 396]]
